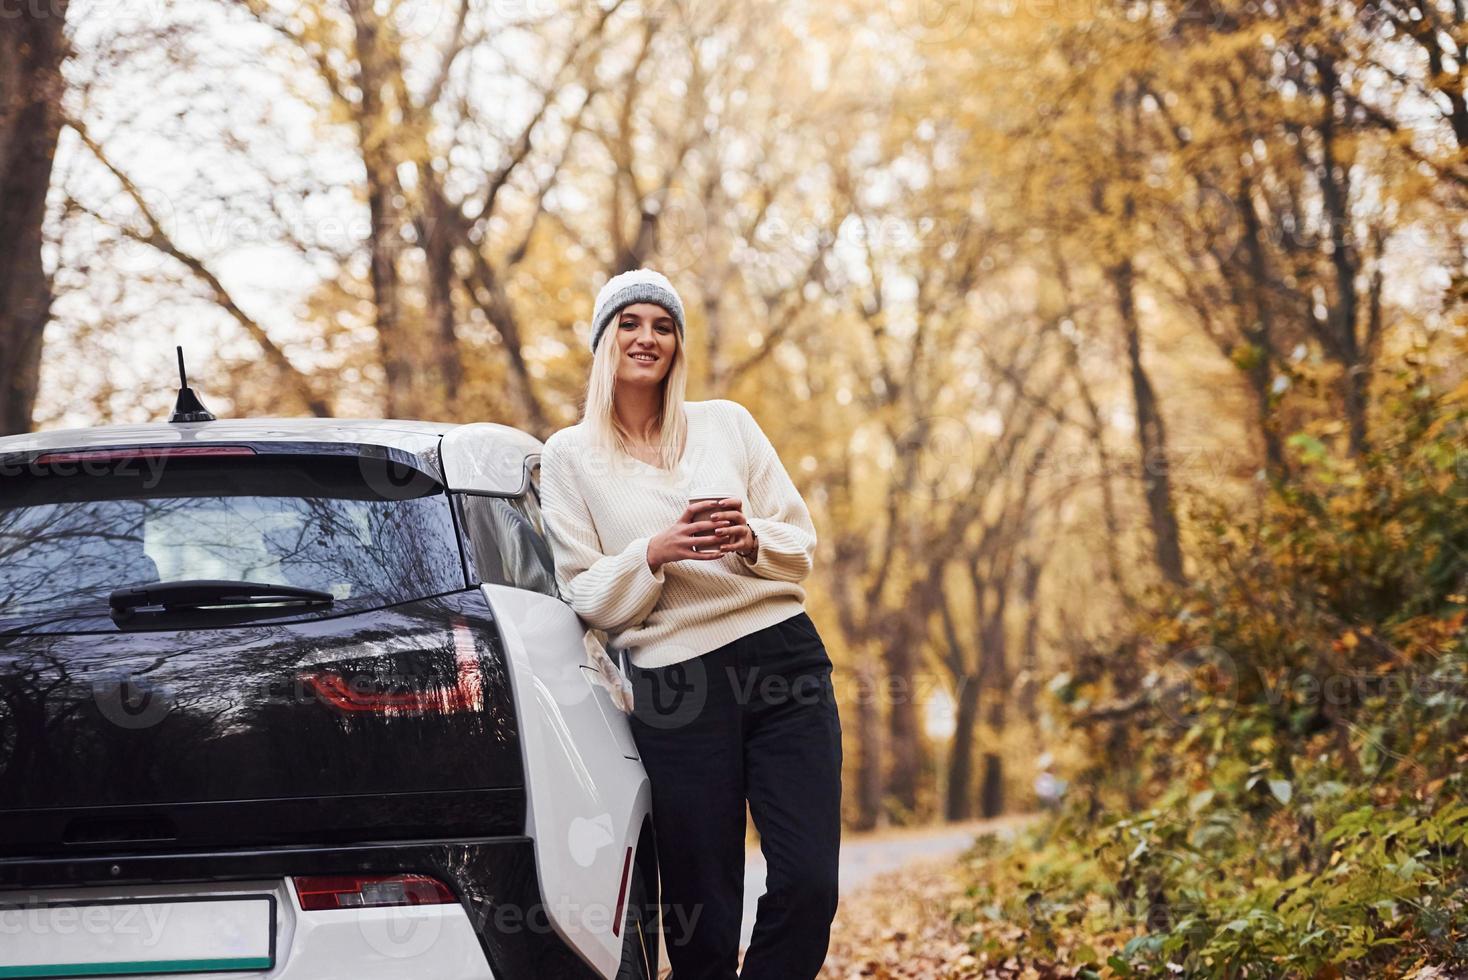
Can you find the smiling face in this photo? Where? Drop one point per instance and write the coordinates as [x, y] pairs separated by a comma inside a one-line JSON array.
[[646, 343]]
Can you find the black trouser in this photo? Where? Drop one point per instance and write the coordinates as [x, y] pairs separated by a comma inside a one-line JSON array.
[[754, 719]]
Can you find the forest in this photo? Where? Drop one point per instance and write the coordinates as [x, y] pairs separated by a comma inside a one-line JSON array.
[[1119, 347]]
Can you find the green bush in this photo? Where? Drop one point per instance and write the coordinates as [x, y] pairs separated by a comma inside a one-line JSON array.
[[1279, 791]]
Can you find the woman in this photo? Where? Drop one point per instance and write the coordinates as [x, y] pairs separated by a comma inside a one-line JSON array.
[[732, 694]]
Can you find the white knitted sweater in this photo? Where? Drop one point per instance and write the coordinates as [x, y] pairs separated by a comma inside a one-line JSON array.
[[601, 508]]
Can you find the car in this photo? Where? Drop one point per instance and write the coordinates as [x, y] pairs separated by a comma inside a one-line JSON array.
[[297, 698]]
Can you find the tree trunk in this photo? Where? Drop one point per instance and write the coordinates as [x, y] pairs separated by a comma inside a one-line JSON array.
[[957, 804], [905, 741], [991, 798], [438, 235], [869, 748], [495, 303], [1030, 646], [1345, 258], [1097, 427], [994, 673], [1151, 434], [1261, 336], [374, 128], [32, 47], [868, 710]]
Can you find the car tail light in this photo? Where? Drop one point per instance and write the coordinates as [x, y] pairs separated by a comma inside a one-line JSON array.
[[322, 894], [140, 452], [405, 684]]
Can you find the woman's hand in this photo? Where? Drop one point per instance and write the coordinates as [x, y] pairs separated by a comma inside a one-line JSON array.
[[679, 542], [736, 535]]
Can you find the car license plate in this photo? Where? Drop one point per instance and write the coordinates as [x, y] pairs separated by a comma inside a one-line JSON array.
[[128, 938]]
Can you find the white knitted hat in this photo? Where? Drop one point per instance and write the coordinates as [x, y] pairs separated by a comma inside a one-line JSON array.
[[636, 286]]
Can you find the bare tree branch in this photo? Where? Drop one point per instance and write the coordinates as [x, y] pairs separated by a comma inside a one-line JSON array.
[[158, 237]]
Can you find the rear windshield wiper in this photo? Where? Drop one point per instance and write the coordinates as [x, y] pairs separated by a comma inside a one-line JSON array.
[[193, 594]]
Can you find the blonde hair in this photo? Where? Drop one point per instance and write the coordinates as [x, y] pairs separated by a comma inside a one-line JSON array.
[[600, 417]]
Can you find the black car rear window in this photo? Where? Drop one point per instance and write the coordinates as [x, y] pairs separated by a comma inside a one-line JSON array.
[[67, 539]]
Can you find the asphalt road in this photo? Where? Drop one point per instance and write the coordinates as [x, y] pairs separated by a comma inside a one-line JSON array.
[[863, 856]]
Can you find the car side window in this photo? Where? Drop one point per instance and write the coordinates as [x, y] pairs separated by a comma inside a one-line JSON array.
[[508, 546]]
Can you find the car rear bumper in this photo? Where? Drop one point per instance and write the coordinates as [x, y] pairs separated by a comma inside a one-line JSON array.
[[498, 929], [156, 931]]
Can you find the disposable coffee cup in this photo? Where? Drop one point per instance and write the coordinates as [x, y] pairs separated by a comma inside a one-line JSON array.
[[695, 498]]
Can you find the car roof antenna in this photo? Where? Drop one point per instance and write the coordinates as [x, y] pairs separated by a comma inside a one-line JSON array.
[[188, 408]]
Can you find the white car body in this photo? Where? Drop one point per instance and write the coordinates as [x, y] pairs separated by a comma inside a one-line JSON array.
[[588, 806]]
